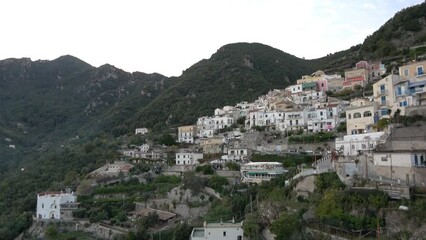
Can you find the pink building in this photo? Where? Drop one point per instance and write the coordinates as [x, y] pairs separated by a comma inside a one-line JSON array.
[[322, 85]]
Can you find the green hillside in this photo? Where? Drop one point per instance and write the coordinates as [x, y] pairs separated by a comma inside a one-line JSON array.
[[64, 116], [236, 72]]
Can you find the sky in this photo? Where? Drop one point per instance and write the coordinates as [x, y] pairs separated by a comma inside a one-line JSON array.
[[169, 36]]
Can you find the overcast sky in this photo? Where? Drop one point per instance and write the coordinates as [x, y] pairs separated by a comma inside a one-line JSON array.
[[168, 36]]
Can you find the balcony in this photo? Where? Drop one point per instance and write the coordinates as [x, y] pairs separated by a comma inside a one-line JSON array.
[[382, 92], [384, 103]]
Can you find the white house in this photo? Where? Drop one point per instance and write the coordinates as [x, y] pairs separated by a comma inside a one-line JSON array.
[[141, 131], [403, 157], [264, 118], [293, 89], [236, 155], [56, 205], [294, 120], [351, 145], [186, 157], [219, 231], [256, 172]]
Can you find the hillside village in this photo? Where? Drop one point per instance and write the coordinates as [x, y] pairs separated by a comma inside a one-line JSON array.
[[372, 142]]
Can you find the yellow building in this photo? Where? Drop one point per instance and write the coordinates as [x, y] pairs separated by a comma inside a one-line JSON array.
[[186, 134], [361, 116], [314, 77], [413, 70], [384, 94]]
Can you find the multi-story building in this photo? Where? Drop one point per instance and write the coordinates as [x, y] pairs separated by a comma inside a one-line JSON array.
[[187, 157], [294, 89], [322, 85], [352, 145], [361, 115], [56, 205], [257, 172], [376, 70], [238, 154], [403, 157], [413, 70], [208, 126], [414, 74], [186, 134], [212, 145], [357, 76], [219, 231], [308, 97], [264, 118], [294, 120], [384, 94], [335, 83], [314, 77]]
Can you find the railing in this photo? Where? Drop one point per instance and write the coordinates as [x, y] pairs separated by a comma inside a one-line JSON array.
[[382, 92]]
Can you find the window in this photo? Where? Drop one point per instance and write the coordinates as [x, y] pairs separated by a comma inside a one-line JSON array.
[[398, 91], [405, 72], [416, 160], [224, 233], [367, 114], [42, 205], [384, 159], [357, 115], [383, 99], [384, 112], [403, 104], [382, 88], [420, 70], [321, 113], [349, 116]]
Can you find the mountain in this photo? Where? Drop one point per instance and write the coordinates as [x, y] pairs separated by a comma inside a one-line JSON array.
[[60, 115], [236, 72], [60, 119], [402, 38]]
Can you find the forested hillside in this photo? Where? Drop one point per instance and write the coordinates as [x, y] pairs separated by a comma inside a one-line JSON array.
[[60, 119]]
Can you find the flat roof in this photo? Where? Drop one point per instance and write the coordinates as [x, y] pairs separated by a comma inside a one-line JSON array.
[[198, 232], [262, 163]]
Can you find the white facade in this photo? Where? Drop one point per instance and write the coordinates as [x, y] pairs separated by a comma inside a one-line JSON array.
[[187, 158], [294, 120], [218, 231], [141, 131], [52, 205], [264, 118], [293, 89], [308, 97], [207, 126], [351, 145], [237, 154], [256, 172]]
